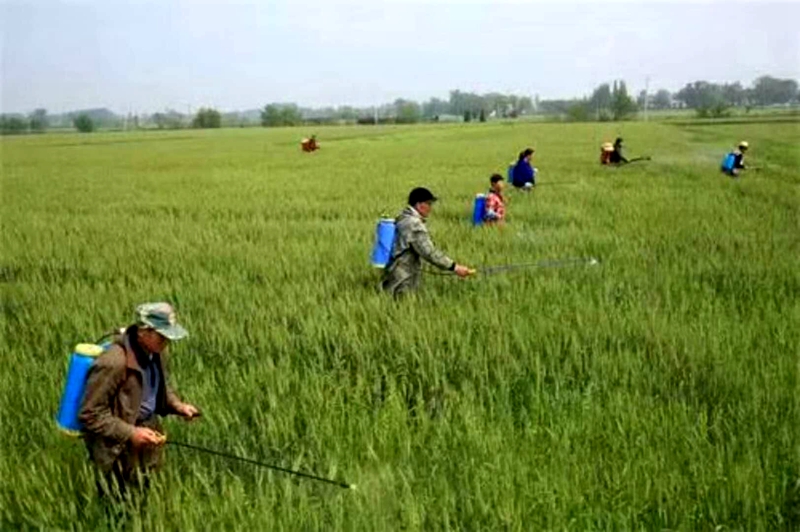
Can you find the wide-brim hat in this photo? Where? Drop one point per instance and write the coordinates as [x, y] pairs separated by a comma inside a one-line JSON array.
[[161, 318]]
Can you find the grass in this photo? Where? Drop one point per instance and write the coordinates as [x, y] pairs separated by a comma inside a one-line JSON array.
[[656, 391]]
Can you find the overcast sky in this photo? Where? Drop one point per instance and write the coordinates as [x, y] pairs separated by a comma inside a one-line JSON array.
[[148, 56]]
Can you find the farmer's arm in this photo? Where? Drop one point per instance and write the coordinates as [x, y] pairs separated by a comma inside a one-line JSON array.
[[421, 242], [174, 403], [105, 377], [176, 406]]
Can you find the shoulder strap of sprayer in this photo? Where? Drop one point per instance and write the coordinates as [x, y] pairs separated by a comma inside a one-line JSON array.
[[406, 249], [110, 334]]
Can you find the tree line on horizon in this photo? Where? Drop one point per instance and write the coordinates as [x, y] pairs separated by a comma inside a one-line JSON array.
[[608, 102]]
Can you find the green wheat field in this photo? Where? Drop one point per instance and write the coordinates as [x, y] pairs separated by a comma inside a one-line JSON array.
[[657, 390]]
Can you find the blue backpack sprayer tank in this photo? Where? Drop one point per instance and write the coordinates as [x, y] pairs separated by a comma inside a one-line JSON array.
[[727, 163], [80, 362], [478, 209], [384, 240]]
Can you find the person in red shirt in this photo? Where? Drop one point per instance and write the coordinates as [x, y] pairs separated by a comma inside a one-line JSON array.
[[495, 202]]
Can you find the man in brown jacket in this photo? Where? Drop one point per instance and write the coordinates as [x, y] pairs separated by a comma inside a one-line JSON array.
[[126, 393]]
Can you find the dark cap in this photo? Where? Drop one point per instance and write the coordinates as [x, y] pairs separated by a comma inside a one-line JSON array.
[[420, 195]]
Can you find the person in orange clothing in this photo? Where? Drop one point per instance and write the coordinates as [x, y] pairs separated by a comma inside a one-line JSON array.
[[605, 153], [309, 144]]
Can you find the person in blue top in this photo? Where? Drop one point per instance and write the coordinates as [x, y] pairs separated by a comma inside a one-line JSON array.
[[524, 175]]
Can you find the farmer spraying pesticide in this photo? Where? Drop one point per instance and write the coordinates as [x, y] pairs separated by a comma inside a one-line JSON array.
[[490, 208], [733, 163], [309, 144], [524, 175], [412, 243], [615, 156], [126, 394], [495, 202]]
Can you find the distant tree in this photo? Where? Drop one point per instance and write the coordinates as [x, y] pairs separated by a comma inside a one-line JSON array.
[[38, 121], [579, 111], [601, 102], [690, 94], [206, 118], [641, 98], [100, 117], [467, 116], [168, 120], [700, 95], [721, 109], [733, 94], [407, 112], [496, 103], [461, 102], [560, 107], [291, 115], [622, 105], [83, 123], [271, 116], [482, 116], [501, 104], [277, 115], [601, 99], [12, 125], [770, 91], [475, 102], [458, 104], [513, 106], [346, 113], [525, 105], [435, 107], [708, 99], [662, 99]]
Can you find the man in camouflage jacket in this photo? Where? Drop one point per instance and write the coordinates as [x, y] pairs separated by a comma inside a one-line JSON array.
[[412, 243]]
